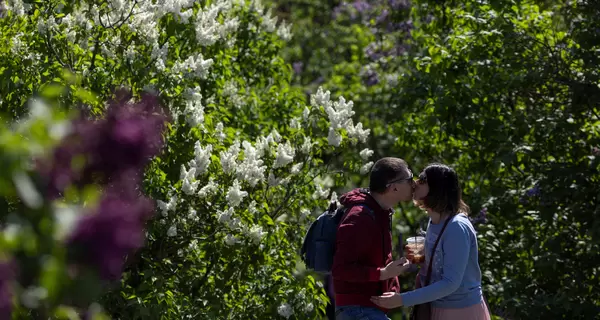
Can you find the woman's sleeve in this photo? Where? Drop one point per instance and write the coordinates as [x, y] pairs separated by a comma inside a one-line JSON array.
[[456, 246]]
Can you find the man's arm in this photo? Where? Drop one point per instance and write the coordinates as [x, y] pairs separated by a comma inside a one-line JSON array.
[[352, 243]]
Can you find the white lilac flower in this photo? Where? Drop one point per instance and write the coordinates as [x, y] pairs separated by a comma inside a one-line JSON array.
[[309, 308], [320, 192], [208, 189], [365, 168], [256, 233], [295, 123], [33, 296], [185, 16], [252, 207], [359, 133], [230, 89], [207, 26], [285, 310], [193, 215], [340, 114], [72, 36], [321, 98], [301, 295], [306, 146], [231, 240], [194, 111], [172, 231], [251, 169], [189, 185], [225, 216], [269, 22], [275, 136], [284, 156], [16, 6], [304, 213], [305, 113], [158, 52], [193, 94], [165, 207], [366, 153], [234, 223], [193, 245], [17, 44], [235, 195], [272, 180], [263, 145], [229, 157], [130, 54], [284, 32], [297, 167], [334, 138], [193, 66], [202, 156], [219, 132]]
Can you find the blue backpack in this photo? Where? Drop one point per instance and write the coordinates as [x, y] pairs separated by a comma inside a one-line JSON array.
[[318, 247]]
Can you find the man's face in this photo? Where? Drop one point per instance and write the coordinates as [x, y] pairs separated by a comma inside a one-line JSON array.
[[401, 188]]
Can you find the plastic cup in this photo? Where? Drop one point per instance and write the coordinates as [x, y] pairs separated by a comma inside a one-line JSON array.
[[415, 249]]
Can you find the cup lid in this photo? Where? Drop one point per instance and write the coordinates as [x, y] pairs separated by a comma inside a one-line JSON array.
[[415, 239]]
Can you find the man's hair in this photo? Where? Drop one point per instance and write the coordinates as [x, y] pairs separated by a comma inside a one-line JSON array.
[[385, 170]]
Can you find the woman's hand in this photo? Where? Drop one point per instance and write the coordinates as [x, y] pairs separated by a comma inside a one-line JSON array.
[[388, 300]]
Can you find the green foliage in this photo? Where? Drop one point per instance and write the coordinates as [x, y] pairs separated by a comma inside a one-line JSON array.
[[508, 96]]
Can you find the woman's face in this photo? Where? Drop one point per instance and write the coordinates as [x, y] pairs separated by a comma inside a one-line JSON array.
[[421, 187]]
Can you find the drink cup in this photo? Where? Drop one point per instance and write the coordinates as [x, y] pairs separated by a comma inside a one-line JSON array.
[[415, 249]]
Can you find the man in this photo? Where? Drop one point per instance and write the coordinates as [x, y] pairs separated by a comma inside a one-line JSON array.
[[363, 264]]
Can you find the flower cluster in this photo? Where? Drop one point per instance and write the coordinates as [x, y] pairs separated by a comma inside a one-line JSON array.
[[339, 114], [116, 147], [113, 152]]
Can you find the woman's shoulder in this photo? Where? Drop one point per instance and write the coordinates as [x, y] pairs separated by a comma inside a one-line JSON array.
[[461, 222]]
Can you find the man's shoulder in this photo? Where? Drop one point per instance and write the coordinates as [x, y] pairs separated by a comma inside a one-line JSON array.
[[358, 212]]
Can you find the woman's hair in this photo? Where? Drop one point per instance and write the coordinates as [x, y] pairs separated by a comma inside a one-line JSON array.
[[445, 194]]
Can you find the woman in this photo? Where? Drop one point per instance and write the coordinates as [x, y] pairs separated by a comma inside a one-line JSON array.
[[454, 288]]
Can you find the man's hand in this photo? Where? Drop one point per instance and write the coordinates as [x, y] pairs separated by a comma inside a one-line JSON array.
[[388, 300], [394, 268]]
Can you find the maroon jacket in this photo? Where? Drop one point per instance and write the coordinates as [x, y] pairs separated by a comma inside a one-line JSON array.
[[361, 246]]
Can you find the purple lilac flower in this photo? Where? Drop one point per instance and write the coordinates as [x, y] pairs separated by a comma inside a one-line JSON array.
[[298, 67], [399, 4], [115, 150], [481, 218], [400, 49], [7, 274], [535, 191], [371, 78], [371, 52], [128, 137], [115, 229], [338, 10], [382, 16], [361, 5]]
